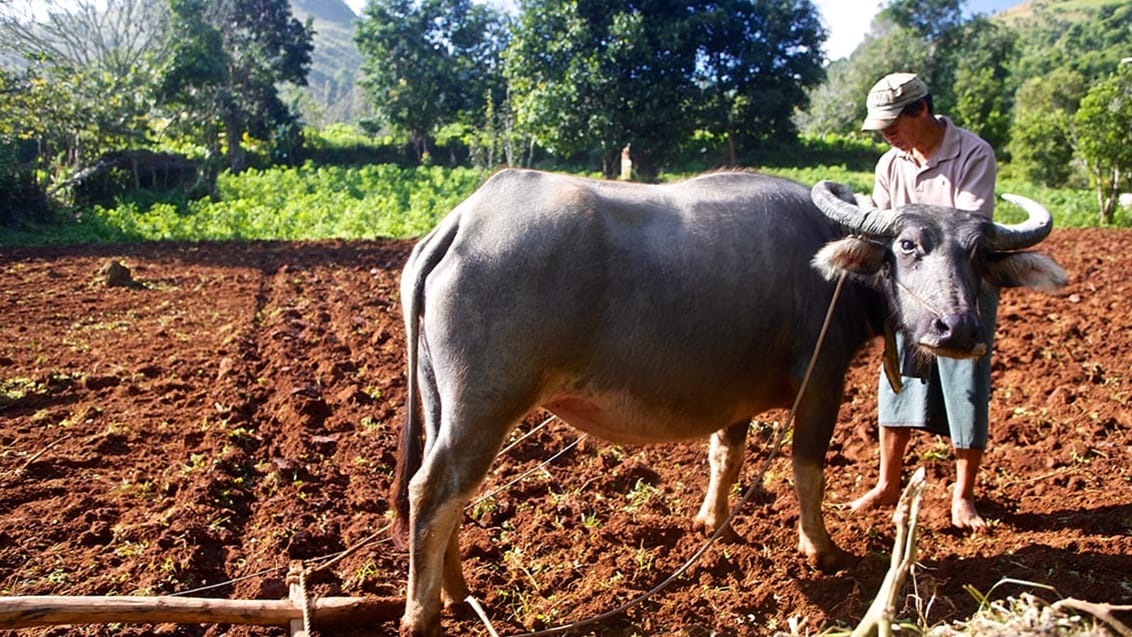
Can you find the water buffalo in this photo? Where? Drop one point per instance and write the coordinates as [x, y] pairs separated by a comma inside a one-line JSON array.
[[656, 313]]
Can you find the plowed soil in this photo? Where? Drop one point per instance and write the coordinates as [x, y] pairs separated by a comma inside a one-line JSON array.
[[238, 405]]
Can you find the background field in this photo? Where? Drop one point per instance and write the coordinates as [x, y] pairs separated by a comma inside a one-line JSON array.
[[240, 409], [383, 201]]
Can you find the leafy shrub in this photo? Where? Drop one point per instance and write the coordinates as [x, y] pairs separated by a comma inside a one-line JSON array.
[[345, 145], [385, 200], [306, 202]]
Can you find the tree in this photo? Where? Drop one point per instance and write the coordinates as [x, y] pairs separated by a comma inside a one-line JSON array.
[[936, 26], [605, 74], [1089, 42], [1041, 144], [980, 58], [193, 80], [25, 137], [115, 36], [230, 57], [593, 75], [1102, 132], [53, 120], [754, 62], [931, 20], [831, 106], [964, 61], [431, 63], [838, 104], [87, 66]]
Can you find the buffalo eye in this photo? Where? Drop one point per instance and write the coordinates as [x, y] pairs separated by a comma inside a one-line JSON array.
[[979, 256]]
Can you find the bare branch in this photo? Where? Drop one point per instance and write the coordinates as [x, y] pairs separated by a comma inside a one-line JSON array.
[[878, 619], [111, 35], [1102, 612]]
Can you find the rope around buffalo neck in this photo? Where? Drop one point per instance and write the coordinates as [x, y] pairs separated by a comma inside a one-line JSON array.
[[755, 486]]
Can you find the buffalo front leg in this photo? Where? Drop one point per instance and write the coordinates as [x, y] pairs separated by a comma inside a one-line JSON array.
[[725, 457], [812, 433], [813, 538]]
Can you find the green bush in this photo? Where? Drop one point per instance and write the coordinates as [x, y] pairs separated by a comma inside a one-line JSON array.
[[306, 202], [344, 145], [385, 200]]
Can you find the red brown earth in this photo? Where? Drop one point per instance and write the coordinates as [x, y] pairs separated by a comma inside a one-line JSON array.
[[239, 408]]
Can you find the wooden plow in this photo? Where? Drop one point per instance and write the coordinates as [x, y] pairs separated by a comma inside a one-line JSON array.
[[298, 613]]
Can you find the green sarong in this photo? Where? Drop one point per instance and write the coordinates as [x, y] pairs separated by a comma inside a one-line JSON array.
[[953, 400]]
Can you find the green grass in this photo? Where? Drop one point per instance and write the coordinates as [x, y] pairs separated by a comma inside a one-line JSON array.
[[1071, 208], [335, 202], [858, 180], [304, 203]]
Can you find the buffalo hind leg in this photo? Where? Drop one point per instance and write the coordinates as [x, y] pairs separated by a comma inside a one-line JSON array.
[[455, 588], [725, 456], [432, 525], [451, 472]]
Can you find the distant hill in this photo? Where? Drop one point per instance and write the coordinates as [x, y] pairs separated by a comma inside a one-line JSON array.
[[332, 93], [329, 10], [1066, 9]]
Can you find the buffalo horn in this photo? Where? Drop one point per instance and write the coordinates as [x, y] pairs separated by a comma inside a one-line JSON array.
[[833, 199], [1026, 233]]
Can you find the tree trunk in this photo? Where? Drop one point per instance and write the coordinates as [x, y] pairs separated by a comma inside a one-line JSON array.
[[234, 133]]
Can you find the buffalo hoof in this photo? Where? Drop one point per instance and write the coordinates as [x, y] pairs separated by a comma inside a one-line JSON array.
[[417, 631], [416, 625], [707, 528], [833, 561]]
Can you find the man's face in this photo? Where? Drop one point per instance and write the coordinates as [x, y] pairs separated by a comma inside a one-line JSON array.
[[901, 134]]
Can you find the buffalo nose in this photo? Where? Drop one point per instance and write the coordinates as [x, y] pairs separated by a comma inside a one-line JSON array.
[[959, 331]]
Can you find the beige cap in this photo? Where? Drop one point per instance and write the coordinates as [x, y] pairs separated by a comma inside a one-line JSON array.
[[889, 96]]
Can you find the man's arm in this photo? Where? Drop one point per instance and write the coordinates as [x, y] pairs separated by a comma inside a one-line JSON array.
[[975, 188], [882, 189]]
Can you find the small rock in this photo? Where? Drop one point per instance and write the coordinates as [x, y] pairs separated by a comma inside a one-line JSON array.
[[96, 382], [225, 367]]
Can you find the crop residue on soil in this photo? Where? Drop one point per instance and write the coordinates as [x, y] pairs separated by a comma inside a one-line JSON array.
[[238, 405]]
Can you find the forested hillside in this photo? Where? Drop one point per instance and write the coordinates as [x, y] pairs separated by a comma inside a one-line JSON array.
[[332, 91], [1025, 10], [562, 84]]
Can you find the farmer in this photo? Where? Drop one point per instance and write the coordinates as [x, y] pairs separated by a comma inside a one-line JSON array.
[[932, 161]]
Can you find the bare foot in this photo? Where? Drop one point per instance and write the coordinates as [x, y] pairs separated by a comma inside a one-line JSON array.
[[965, 516], [877, 497]]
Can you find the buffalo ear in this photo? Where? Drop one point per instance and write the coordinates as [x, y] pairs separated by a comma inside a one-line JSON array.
[[1024, 269], [851, 255]]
